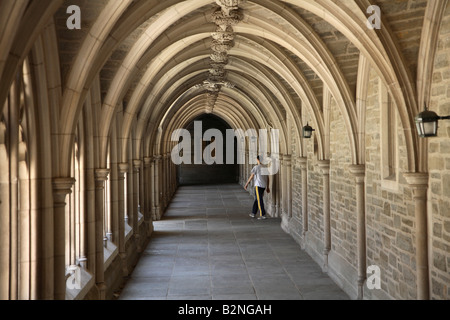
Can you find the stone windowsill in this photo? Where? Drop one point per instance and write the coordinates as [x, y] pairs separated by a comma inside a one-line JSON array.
[[87, 283]]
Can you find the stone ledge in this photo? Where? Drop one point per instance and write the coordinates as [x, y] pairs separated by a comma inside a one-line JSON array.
[[87, 283]]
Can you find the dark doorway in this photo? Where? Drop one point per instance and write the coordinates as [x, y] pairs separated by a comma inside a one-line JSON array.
[[201, 174]]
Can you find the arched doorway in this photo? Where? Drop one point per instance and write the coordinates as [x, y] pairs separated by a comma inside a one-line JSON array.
[[217, 173]]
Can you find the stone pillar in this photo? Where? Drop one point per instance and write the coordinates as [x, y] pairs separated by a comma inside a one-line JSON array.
[[153, 187], [5, 237], [273, 191], [324, 166], [288, 164], [283, 182], [123, 169], [419, 185], [129, 195], [61, 188], [168, 182], [174, 177], [101, 175], [279, 191], [137, 236], [112, 231], [147, 194], [157, 187], [142, 197], [360, 172], [304, 167], [247, 165]]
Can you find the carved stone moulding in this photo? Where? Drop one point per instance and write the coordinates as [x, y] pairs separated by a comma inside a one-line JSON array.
[[224, 20], [219, 57], [218, 46], [218, 66], [218, 73], [228, 3], [224, 35]]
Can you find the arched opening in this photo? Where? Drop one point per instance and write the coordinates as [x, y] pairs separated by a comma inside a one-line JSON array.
[[208, 154]]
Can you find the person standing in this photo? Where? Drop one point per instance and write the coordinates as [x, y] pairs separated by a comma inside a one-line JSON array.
[[261, 185]]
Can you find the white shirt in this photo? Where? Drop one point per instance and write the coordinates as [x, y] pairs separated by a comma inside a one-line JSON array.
[[259, 179]]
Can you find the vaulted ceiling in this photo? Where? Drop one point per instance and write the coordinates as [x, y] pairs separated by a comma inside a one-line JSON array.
[[272, 61]]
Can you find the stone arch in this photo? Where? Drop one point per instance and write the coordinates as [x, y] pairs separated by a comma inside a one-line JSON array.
[[34, 20], [380, 49]]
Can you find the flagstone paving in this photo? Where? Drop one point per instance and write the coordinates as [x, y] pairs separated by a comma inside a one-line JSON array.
[[208, 248]]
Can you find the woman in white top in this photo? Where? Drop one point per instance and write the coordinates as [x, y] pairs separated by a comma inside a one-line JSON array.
[[261, 184]]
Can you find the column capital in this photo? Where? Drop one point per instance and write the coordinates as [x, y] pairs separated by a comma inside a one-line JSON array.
[[148, 161], [419, 183], [137, 164], [417, 179], [63, 185], [158, 157], [358, 170], [324, 166], [287, 160], [303, 161], [101, 174], [123, 167], [61, 188]]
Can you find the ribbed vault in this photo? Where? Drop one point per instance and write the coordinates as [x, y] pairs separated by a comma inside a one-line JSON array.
[[114, 91]]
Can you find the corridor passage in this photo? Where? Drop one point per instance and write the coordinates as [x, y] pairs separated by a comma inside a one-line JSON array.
[[207, 247]]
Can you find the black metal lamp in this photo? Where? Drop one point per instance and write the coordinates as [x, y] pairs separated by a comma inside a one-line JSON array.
[[427, 123], [307, 131]]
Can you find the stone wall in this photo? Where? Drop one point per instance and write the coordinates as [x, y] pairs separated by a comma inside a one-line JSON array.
[[389, 207], [439, 164], [389, 212], [343, 193]]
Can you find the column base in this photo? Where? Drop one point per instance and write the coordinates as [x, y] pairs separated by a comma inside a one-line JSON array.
[[360, 290], [125, 271], [101, 291], [325, 262]]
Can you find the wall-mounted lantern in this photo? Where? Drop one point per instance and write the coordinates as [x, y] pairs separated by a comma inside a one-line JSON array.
[[307, 131], [427, 123]]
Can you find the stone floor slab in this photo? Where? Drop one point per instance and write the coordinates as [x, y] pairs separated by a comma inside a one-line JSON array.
[[207, 247]]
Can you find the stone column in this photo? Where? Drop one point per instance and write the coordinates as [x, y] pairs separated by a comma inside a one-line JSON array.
[[101, 175], [147, 194], [153, 187], [247, 171], [61, 188], [279, 191], [168, 182], [273, 190], [304, 167], [142, 189], [137, 236], [112, 231], [129, 196], [12, 136], [174, 177], [123, 169], [324, 166], [157, 187], [360, 172], [288, 164], [419, 185], [283, 187]]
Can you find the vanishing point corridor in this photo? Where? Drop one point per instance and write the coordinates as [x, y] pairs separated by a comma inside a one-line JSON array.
[[207, 247], [129, 128]]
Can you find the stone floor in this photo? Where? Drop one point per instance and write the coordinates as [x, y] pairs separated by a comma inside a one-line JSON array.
[[207, 247]]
